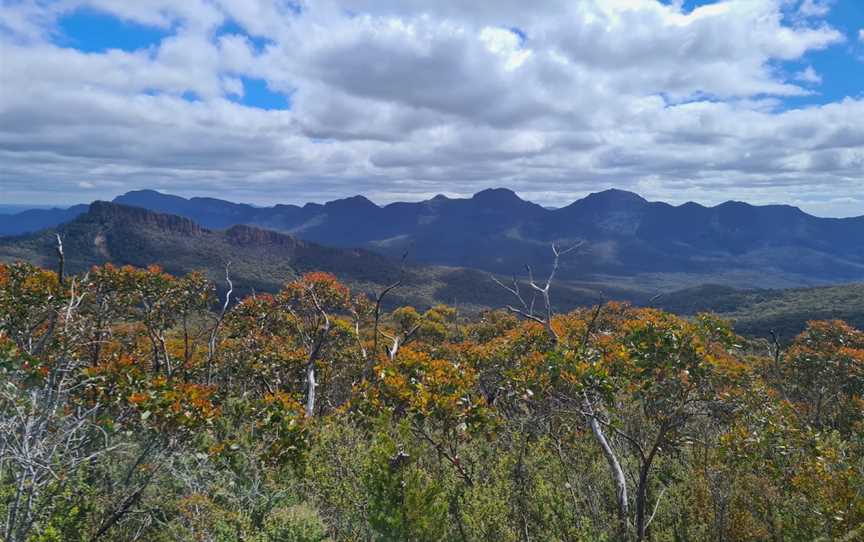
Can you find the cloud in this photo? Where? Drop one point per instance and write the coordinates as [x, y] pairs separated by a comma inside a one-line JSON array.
[[809, 75], [815, 8], [408, 99]]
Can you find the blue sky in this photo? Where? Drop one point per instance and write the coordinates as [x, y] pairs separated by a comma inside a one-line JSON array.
[[277, 101], [94, 31], [839, 66]]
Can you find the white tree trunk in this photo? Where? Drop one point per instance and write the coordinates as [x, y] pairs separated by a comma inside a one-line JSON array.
[[614, 466], [310, 389]]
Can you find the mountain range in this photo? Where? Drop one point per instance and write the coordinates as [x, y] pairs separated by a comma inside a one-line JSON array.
[[260, 260], [626, 239]]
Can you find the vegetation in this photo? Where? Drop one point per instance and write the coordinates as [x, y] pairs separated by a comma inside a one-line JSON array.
[[135, 405], [263, 260], [758, 313]]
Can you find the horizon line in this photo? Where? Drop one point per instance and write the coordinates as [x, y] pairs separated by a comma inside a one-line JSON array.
[[17, 208]]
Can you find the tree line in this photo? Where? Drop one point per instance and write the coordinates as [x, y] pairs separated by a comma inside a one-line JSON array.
[[138, 406]]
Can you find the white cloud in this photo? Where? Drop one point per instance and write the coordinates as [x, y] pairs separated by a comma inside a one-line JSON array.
[[809, 75], [233, 86], [408, 99], [815, 8]]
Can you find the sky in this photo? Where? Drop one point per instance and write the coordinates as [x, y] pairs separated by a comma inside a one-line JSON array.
[[268, 101]]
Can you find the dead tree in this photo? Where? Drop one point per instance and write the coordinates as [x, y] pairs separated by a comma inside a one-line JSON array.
[[214, 333], [43, 434], [527, 310], [379, 299], [316, 342], [61, 260], [589, 404], [397, 341]]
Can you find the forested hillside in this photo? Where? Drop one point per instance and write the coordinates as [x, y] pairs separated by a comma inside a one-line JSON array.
[[261, 260], [759, 312], [137, 405]]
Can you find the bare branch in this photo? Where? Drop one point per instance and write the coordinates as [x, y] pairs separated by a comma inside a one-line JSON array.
[[526, 315], [380, 298], [61, 259], [211, 345], [314, 353], [656, 506], [527, 310]]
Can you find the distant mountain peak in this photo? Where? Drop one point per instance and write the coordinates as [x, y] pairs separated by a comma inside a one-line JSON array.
[[151, 199], [143, 191], [734, 203], [353, 202], [109, 212], [496, 193], [147, 194], [503, 198], [615, 196], [612, 202]]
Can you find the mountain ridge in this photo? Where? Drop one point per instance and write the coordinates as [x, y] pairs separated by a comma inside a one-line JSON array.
[[624, 234], [260, 259]]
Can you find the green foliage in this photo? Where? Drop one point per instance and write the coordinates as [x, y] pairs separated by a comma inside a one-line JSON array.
[[299, 523], [130, 410], [405, 503], [758, 312]]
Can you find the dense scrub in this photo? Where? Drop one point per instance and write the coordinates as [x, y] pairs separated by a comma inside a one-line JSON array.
[[132, 409], [759, 312]]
